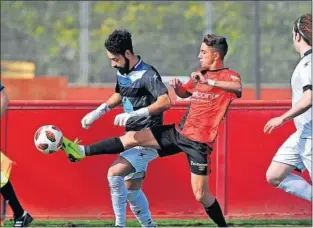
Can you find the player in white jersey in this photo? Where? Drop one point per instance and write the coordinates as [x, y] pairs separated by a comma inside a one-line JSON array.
[[296, 152]]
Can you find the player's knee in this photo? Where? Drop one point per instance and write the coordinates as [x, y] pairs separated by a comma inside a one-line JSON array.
[[120, 167], [273, 179], [115, 170], [199, 194], [112, 171]]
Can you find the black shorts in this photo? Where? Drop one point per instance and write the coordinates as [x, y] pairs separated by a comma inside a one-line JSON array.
[[172, 142]]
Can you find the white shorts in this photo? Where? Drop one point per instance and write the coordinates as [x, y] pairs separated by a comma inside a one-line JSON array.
[[139, 157], [296, 152]]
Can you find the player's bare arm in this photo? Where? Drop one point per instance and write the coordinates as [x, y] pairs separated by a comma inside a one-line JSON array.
[[114, 100], [179, 89], [105, 107], [4, 102], [302, 106], [162, 104], [234, 86]]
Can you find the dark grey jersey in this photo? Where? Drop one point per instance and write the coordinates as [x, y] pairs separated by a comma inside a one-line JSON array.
[[140, 88]]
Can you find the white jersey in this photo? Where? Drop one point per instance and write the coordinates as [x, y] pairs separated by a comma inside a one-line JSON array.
[[301, 81]]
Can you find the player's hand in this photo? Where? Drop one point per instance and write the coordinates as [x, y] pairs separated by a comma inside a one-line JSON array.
[[272, 124], [198, 77], [88, 119], [92, 116], [121, 119], [175, 83]]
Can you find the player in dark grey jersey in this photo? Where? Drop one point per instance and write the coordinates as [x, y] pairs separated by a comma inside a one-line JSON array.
[[144, 97]]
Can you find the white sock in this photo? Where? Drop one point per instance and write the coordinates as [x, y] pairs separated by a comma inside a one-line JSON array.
[[297, 186], [140, 207], [119, 197], [82, 150]]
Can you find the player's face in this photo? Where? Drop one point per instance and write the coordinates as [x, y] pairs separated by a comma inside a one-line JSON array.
[[207, 56], [119, 62]]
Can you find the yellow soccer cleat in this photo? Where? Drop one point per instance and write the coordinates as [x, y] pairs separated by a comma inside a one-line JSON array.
[[72, 149]]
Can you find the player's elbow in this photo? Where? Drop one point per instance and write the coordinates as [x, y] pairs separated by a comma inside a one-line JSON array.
[[238, 91], [165, 102], [238, 94]]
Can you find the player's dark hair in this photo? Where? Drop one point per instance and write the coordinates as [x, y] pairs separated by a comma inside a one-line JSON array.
[[217, 42], [119, 41], [303, 26]]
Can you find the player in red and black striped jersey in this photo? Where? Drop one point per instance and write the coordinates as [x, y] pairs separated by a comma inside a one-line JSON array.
[[211, 89]]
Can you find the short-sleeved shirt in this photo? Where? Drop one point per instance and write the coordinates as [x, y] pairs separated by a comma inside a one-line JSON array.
[[140, 88], [301, 80], [208, 106]]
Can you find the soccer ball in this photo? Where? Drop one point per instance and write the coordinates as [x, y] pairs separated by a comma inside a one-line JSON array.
[[48, 139]]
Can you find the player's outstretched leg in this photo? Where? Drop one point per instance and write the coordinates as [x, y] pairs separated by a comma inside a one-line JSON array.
[[113, 145], [200, 187], [74, 151]]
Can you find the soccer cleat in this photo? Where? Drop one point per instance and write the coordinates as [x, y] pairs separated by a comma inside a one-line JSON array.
[[72, 149], [24, 220]]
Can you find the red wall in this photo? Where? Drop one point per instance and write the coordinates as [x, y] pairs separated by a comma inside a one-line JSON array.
[[49, 186]]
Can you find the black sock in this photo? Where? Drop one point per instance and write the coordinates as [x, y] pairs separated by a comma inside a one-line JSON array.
[[216, 214], [108, 146], [9, 194]]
